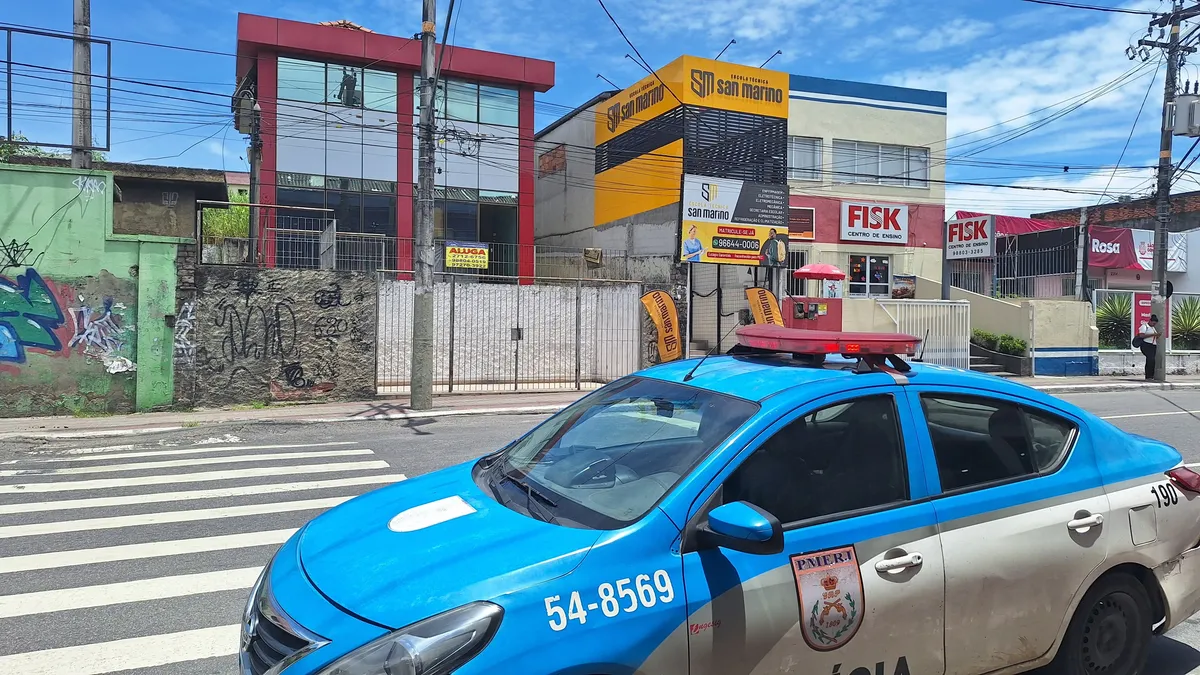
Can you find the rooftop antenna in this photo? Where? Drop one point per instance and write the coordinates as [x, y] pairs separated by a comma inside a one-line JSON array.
[[777, 53], [921, 357], [714, 348], [731, 42], [607, 80]]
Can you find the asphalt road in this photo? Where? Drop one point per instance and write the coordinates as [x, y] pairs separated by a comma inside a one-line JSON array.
[[134, 556]]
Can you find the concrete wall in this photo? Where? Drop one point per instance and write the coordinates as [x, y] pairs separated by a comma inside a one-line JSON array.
[[1065, 340], [1002, 317], [277, 335], [866, 315], [85, 329], [563, 210], [150, 208]]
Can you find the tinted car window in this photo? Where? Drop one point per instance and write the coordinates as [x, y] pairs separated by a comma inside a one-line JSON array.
[[980, 440], [846, 457], [610, 457]]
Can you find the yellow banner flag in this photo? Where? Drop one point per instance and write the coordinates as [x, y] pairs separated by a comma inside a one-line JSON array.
[[662, 312], [764, 306]]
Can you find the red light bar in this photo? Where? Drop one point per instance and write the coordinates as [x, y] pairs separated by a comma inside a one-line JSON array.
[[799, 341], [1185, 478]]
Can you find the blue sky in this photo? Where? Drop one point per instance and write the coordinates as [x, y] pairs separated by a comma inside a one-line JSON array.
[[997, 59]]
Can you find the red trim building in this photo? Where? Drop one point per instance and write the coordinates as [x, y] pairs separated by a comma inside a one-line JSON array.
[[323, 89]]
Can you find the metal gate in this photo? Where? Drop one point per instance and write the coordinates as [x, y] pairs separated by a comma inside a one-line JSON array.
[[552, 335], [944, 325]]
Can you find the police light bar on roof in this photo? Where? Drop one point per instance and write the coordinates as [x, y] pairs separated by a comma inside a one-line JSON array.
[[799, 341]]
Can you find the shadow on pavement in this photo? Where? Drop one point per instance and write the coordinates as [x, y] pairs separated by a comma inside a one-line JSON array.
[[1172, 657]]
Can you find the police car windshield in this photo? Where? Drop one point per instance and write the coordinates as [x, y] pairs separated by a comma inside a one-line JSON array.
[[609, 458]]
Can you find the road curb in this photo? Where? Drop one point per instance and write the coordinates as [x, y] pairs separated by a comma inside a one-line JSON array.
[[65, 435], [1056, 389]]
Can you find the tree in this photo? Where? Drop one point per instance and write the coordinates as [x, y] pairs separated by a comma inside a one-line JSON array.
[[16, 147]]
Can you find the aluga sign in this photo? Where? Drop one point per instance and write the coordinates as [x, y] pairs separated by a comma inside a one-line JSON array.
[[971, 238]]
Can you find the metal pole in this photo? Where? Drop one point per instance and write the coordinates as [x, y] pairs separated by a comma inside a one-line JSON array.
[[946, 261], [453, 285], [579, 332], [81, 64], [1081, 274], [255, 180], [687, 308], [1158, 302], [421, 397]]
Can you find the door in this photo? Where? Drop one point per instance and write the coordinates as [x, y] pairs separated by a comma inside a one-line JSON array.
[[858, 588], [1021, 523]]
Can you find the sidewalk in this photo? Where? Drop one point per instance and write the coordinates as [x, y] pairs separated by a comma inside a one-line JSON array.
[[61, 428]]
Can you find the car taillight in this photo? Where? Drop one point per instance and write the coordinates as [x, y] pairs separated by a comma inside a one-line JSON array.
[[1186, 478]]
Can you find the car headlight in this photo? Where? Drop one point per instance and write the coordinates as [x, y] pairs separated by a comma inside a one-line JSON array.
[[435, 646], [249, 615]]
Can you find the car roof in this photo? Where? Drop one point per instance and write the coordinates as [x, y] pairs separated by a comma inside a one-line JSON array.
[[757, 378]]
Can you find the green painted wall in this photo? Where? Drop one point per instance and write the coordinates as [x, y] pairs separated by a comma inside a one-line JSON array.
[[81, 315]]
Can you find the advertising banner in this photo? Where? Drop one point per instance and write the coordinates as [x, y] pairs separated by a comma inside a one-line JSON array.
[[696, 81], [734, 222], [764, 306], [1122, 248], [802, 223], [875, 222], [971, 238], [661, 307], [466, 254], [904, 286]]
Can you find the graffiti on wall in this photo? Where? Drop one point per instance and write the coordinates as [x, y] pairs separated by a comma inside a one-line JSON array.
[[14, 254], [29, 316], [278, 334], [98, 334]]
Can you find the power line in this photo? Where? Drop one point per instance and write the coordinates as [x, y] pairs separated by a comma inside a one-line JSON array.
[[1097, 8], [1132, 129]]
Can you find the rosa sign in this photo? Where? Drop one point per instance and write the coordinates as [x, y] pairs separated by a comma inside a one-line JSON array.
[[971, 238]]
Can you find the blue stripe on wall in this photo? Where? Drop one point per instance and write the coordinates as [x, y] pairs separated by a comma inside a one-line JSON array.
[[878, 92], [1074, 364], [868, 105]]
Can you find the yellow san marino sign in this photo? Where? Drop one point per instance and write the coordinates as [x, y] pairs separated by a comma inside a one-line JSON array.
[[468, 254], [693, 81]]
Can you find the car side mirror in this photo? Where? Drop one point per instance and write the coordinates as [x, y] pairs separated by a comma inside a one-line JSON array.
[[742, 526]]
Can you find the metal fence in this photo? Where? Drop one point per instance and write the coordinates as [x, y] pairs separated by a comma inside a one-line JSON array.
[[945, 326], [293, 242], [552, 335], [1039, 273], [1120, 313]]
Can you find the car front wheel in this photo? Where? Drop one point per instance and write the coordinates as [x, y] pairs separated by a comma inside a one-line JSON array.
[[1110, 632]]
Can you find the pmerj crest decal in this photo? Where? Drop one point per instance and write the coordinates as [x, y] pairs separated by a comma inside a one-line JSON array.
[[829, 588]]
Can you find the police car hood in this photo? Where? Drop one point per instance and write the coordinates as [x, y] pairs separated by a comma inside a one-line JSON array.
[[411, 550]]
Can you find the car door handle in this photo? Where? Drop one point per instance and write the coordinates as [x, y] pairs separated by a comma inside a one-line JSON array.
[[1082, 524], [897, 564]]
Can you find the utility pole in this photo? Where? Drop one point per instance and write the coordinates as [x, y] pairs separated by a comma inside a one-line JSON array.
[[421, 378], [1166, 169], [1081, 276], [256, 145], [81, 64]]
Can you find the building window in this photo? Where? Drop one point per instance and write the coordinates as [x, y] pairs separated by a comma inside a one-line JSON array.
[[857, 162], [804, 158], [470, 102], [498, 105], [314, 82], [870, 276]]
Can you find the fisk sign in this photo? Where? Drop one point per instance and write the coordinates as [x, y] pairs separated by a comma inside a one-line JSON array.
[[875, 222], [971, 238]]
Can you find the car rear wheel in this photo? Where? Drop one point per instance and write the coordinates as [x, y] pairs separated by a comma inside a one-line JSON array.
[[1110, 632]]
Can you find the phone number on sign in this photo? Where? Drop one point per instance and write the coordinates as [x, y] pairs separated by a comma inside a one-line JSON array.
[[626, 595], [731, 244]]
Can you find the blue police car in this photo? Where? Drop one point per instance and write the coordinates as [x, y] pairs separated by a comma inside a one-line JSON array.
[[810, 503]]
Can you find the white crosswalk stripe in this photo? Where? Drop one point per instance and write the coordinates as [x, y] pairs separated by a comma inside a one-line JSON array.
[[102, 572]]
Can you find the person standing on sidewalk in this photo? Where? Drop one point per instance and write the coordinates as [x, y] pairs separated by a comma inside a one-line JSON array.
[[1149, 333]]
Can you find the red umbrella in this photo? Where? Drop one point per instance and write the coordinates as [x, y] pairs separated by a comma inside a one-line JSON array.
[[819, 271]]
